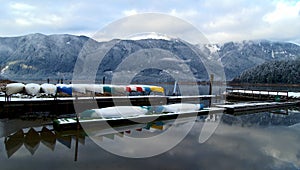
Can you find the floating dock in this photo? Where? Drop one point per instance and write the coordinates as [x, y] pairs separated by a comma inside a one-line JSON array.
[[65, 105], [244, 108], [261, 95], [73, 123]]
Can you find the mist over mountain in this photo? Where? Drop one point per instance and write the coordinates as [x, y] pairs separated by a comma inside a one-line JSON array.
[[39, 57]]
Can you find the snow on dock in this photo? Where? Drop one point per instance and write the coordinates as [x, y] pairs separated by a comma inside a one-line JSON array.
[[254, 106], [246, 94], [274, 93], [71, 123]]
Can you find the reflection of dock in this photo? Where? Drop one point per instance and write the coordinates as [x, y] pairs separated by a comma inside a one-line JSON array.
[[32, 138]]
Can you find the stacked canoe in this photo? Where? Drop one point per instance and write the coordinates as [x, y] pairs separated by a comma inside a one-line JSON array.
[[34, 89]]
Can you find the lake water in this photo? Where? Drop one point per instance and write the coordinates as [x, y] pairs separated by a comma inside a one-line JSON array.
[[264, 140]]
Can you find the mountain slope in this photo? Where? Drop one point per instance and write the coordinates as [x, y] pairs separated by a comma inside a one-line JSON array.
[[238, 57], [38, 56], [284, 72]]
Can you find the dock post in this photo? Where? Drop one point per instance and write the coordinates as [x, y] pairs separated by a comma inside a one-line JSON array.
[[103, 80], [210, 87]]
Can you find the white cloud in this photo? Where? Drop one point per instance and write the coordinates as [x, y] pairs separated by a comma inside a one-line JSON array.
[[283, 11], [21, 6], [130, 12], [22, 22], [184, 14], [220, 21]]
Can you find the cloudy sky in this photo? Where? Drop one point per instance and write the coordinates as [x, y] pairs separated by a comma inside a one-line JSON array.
[[218, 20]]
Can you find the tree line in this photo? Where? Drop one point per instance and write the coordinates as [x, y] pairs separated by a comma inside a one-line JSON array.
[[275, 72]]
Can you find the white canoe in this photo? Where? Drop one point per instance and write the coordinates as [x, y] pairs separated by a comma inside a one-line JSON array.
[[80, 88], [97, 88], [32, 88], [115, 112], [49, 88], [14, 88], [180, 107]]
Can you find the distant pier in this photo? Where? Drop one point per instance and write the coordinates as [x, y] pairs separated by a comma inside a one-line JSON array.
[[258, 95], [252, 107]]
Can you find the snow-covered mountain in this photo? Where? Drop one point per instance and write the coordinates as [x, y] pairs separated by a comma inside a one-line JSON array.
[[38, 56], [240, 56]]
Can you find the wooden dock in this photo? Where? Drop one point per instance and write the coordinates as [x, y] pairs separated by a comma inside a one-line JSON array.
[[257, 95], [61, 106], [64, 106], [245, 108], [72, 123]]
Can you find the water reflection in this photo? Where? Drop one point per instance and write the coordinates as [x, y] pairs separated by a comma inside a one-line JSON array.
[[266, 140]]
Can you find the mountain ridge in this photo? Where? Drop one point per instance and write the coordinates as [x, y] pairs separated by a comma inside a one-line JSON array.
[[39, 56]]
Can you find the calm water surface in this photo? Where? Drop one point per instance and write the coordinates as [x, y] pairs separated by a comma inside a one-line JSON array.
[[265, 140]]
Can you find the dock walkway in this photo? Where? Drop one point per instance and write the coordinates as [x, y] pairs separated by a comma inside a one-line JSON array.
[[255, 94], [65, 105], [242, 108]]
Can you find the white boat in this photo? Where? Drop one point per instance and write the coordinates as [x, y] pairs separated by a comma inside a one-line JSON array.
[[80, 88], [178, 108], [114, 112], [49, 88], [32, 88], [13, 88], [96, 88]]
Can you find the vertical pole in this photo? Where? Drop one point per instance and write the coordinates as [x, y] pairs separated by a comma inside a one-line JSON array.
[[103, 80], [175, 88], [211, 84], [210, 87]]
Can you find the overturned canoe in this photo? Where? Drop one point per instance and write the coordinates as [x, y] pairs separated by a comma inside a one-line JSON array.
[[96, 88], [177, 108], [13, 88], [114, 112], [32, 88], [63, 88], [49, 88]]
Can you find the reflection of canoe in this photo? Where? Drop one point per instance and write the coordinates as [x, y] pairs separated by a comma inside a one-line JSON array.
[[48, 88], [120, 111], [32, 89], [14, 142], [32, 141], [48, 138], [13, 88]]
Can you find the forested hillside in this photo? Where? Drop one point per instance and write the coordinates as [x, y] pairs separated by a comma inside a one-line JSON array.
[[285, 72]]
